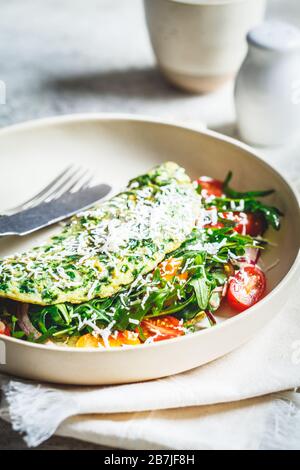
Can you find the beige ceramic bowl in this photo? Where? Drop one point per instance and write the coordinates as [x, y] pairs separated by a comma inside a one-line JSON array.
[[200, 44], [117, 148]]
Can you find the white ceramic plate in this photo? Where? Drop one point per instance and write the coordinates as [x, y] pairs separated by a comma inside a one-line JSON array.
[[117, 148]]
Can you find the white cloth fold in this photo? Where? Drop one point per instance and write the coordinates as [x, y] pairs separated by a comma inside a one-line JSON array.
[[269, 422]]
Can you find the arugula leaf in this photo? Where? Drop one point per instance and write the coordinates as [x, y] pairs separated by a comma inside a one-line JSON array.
[[242, 195], [202, 287], [50, 332], [184, 308], [272, 214], [18, 334]]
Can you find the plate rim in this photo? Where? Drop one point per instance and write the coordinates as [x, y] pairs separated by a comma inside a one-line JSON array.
[[199, 129]]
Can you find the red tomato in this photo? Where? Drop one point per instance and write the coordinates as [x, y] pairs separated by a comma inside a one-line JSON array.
[[210, 187], [246, 288], [256, 225], [247, 223], [162, 328], [4, 329]]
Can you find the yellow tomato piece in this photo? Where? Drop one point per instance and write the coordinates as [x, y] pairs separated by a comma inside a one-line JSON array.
[[87, 341], [113, 342], [169, 269], [120, 338], [129, 337]]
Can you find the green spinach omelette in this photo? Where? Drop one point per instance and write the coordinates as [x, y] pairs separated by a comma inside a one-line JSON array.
[[106, 247]]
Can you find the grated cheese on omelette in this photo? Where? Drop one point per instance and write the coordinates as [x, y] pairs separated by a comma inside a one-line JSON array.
[[109, 246]]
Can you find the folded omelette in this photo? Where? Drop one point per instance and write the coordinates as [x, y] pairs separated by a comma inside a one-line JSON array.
[[107, 247]]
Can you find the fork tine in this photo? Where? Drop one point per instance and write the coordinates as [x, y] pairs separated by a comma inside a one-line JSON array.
[[31, 201], [80, 182], [69, 184], [64, 185], [57, 182], [85, 184]]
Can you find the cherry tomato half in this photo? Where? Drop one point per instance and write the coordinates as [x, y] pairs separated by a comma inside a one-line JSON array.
[[246, 288], [210, 186], [247, 223], [162, 328], [255, 225], [4, 329]]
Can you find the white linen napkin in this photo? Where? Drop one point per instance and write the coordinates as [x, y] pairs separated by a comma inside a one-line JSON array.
[[267, 364], [270, 422]]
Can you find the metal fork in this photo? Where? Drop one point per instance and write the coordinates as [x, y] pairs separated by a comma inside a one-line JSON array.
[[70, 179]]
